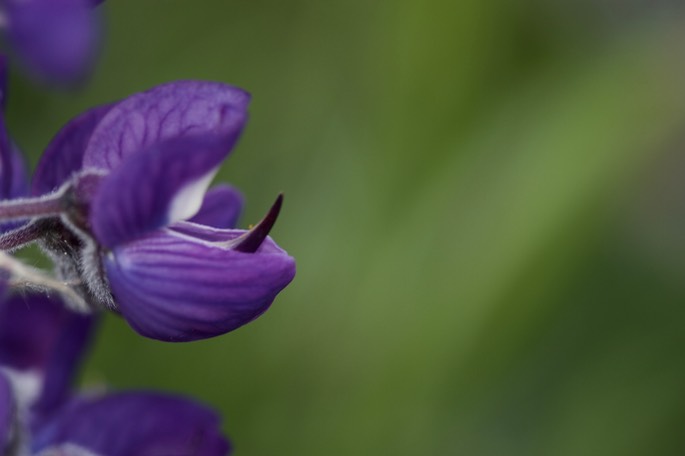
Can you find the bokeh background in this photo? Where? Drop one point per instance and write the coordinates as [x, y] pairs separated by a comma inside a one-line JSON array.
[[486, 200]]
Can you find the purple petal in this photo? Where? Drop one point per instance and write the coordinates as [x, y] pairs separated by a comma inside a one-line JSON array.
[[38, 333], [140, 424], [19, 181], [178, 109], [174, 287], [66, 449], [221, 207], [155, 188], [203, 232], [6, 412], [13, 175], [14, 181], [3, 81], [57, 40], [64, 154], [6, 161]]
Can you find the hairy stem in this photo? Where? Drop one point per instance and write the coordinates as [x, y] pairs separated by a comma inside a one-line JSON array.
[[19, 237], [27, 277], [28, 208]]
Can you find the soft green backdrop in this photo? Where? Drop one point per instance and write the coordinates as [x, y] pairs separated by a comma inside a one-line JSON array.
[[486, 200]]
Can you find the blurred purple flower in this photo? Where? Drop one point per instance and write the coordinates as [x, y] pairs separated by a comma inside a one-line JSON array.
[[137, 230], [56, 40], [14, 182], [41, 345]]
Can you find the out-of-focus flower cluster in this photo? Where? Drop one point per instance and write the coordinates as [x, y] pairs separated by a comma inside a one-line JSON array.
[[41, 345], [120, 202], [55, 41]]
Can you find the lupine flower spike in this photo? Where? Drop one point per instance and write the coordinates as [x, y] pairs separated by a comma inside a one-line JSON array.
[[122, 210]]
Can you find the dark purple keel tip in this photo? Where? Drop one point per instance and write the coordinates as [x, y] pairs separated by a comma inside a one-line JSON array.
[[250, 241]]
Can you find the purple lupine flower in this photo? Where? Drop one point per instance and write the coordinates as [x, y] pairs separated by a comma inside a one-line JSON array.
[[125, 216], [133, 423], [41, 345], [55, 40]]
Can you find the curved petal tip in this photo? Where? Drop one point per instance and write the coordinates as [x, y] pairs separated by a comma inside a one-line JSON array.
[[250, 241]]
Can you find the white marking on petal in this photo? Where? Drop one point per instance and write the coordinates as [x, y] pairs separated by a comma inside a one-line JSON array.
[[193, 239], [26, 386], [188, 200], [66, 449]]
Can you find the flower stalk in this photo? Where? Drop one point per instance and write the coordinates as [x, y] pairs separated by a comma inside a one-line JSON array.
[[22, 276], [20, 237], [30, 208]]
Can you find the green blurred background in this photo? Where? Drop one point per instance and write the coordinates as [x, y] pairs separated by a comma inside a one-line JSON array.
[[486, 200]]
